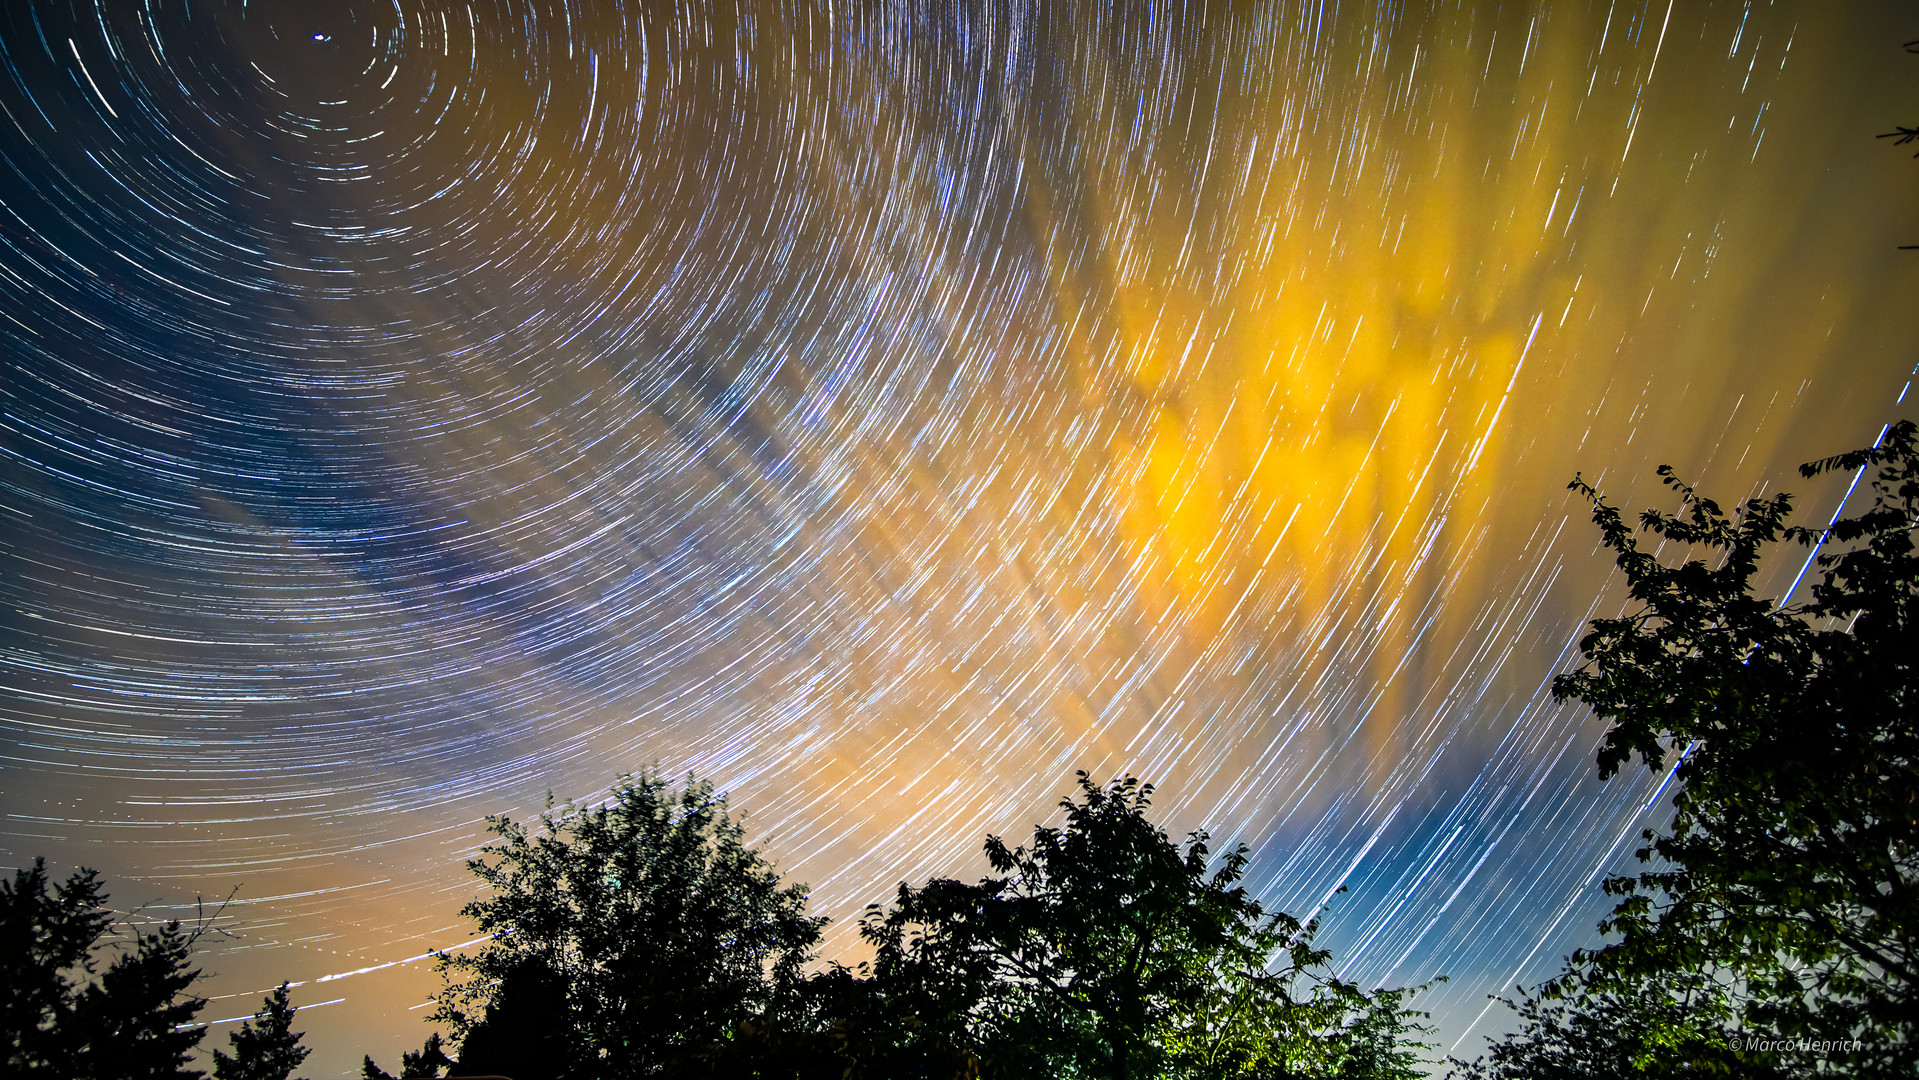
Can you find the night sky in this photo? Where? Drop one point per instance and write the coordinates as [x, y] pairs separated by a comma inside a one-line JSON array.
[[412, 408]]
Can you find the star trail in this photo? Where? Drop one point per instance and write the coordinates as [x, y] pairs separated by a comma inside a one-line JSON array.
[[414, 407]]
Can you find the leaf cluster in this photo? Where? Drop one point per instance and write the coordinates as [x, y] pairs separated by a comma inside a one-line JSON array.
[[1678, 1025], [1789, 869], [265, 1047], [642, 938], [65, 1014], [627, 939], [1102, 949]]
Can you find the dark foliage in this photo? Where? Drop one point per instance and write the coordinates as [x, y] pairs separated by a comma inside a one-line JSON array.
[[642, 939], [423, 1064], [265, 1047], [631, 939], [1663, 1027], [524, 1030], [1102, 949], [64, 1017], [1789, 876]]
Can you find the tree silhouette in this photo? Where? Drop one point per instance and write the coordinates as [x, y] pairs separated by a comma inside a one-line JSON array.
[[1789, 875], [422, 1064], [1678, 1024], [1101, 949], [642, 938], [266, 1047], [628, 939], [67, 1019], [524, 1030]]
